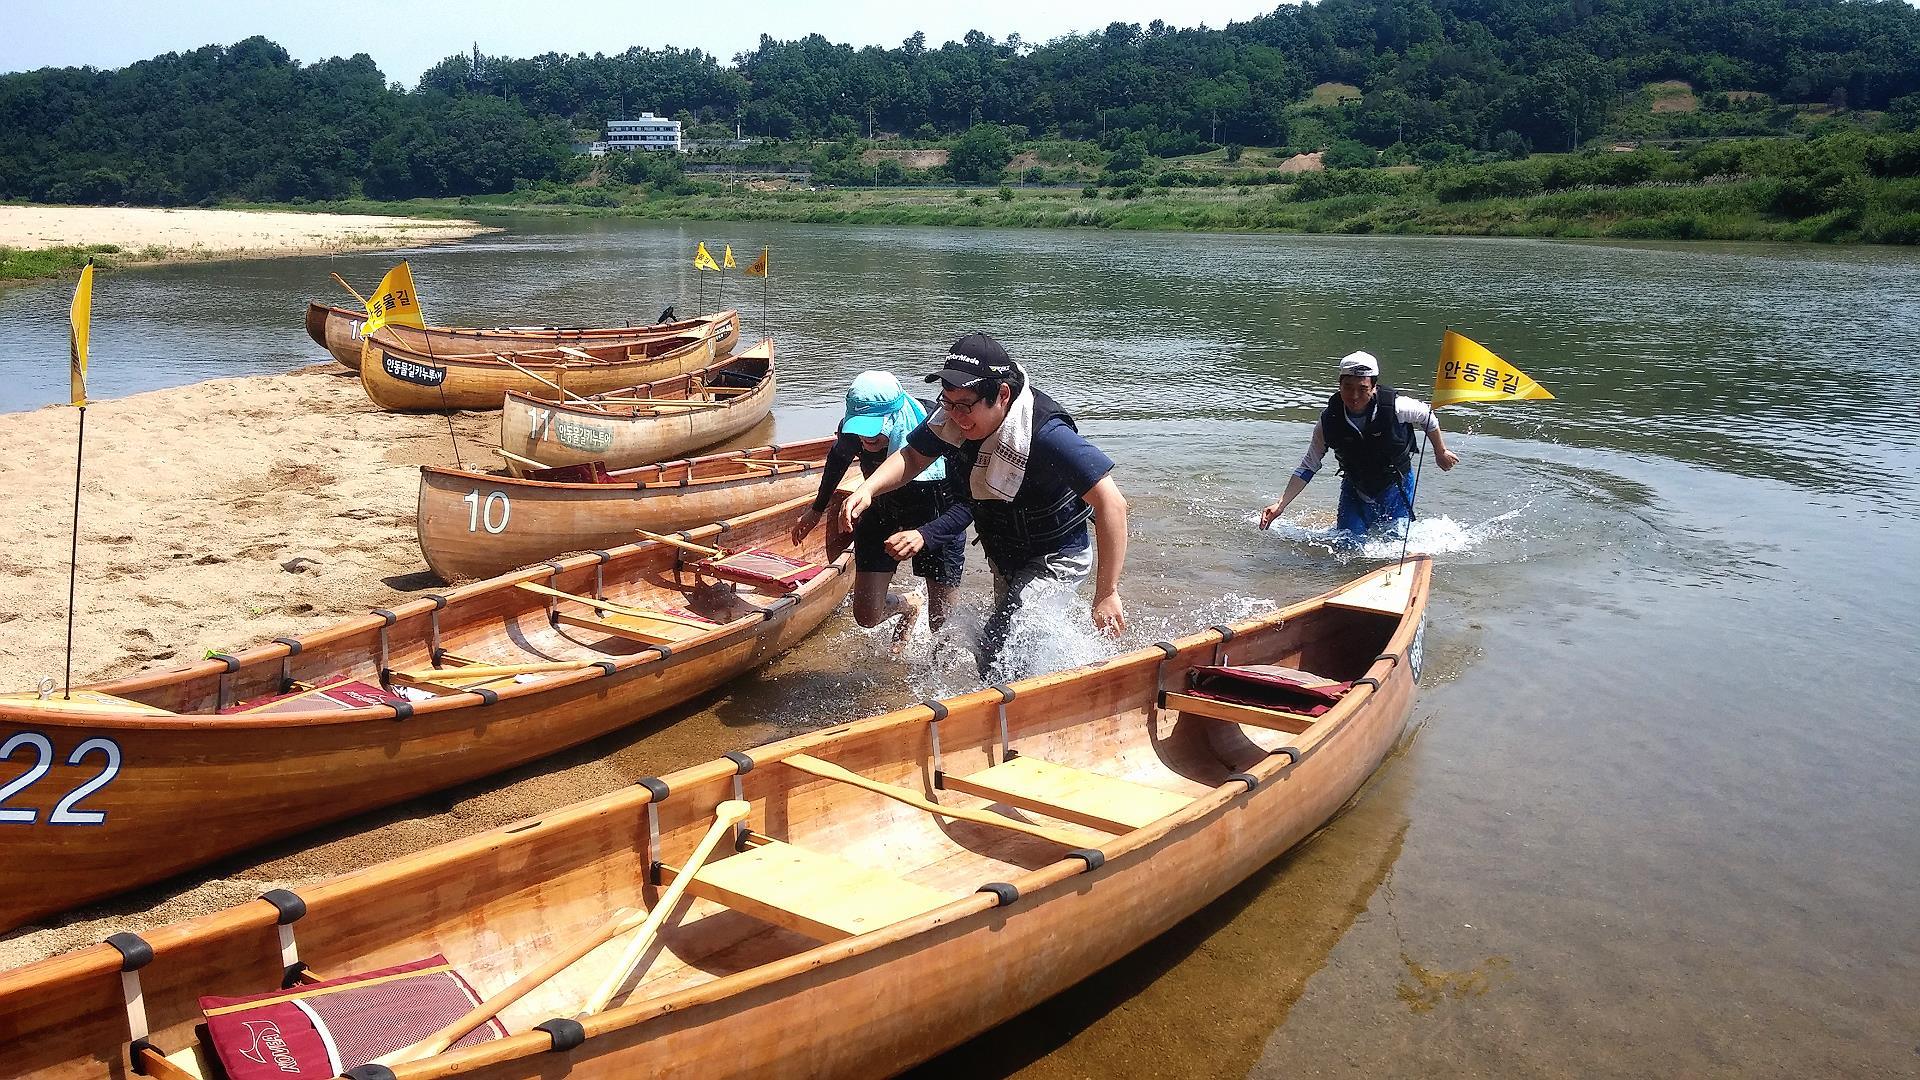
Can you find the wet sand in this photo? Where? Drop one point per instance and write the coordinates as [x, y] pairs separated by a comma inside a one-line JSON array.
[[160, 235]]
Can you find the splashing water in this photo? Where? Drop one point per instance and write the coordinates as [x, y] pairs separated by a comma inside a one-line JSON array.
[[1052, 632], [1430, 536]]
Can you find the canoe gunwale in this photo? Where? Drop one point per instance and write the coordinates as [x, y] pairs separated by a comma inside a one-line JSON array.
[[761, 351], [812, 464]]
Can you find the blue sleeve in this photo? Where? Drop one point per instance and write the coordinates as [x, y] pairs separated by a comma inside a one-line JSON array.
[[1067, 454], [925, 442], [839, 456]]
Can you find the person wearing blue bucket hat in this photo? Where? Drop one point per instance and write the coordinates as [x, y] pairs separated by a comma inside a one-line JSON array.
[[879, 417]]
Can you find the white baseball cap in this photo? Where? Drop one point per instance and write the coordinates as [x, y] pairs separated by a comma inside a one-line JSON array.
[[1359, 363]]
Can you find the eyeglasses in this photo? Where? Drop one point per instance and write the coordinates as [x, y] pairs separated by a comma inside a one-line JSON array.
[[951, 405]]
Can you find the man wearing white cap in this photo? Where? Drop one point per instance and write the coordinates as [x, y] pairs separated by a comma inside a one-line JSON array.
[[1369, 427]]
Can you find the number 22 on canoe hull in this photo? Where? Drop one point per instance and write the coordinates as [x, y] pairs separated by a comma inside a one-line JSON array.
[[899, 884], [143, 777]]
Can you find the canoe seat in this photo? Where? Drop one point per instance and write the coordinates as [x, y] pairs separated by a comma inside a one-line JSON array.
[[822, 896], [762, 569], [1070, 794], [1234, 713]]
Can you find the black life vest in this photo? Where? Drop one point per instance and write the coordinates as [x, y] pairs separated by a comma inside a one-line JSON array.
[[1031, 524], [1377, 456]]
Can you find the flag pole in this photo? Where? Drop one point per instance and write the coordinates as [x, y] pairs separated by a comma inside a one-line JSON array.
[[73, 556], [1407, 537]]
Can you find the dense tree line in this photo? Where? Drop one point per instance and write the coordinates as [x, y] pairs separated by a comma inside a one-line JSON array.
[[1492, 75]]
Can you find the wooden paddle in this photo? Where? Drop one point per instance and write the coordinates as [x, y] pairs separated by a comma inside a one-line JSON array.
[[726, 816], [683, 545], [624, 920], [495, 671], [563, 390], [523, 462], [343, 284]]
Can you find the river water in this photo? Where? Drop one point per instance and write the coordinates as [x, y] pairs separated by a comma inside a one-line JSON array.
[[1658, 812]]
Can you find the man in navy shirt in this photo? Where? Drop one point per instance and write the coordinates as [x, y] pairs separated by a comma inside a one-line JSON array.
[[1032, 480]]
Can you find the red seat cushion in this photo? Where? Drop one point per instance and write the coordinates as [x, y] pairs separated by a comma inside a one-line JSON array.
[[323, 1029], [1268, 686]]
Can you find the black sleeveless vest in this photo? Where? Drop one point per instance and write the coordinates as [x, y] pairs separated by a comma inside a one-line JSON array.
[[1374, 459], [1013, 532]]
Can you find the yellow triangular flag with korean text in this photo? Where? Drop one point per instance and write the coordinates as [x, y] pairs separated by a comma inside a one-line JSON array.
[[395, 301], [726, 260], [80, 317], [1468, 371], [703, 259], [758, 268]]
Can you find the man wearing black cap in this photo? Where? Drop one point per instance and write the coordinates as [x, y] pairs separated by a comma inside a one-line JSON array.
[[1033, 480]]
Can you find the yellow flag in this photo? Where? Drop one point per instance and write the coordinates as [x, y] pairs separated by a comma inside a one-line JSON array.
[[80, 316], [395, 301], [1469, 372], [727, 259], [703, 259], [758, 268]]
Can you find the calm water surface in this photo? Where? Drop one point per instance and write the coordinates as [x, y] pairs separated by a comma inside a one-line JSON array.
[[1660, 812]]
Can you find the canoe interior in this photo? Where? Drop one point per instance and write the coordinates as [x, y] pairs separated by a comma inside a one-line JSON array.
[[492, 623], [500, 903], [708, 469], [741, 371], [538, 352]]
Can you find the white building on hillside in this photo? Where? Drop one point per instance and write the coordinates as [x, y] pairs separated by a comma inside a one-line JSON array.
[[650, 132]]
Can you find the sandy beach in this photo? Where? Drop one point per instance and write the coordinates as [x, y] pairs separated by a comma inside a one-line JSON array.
[[146, 234], [215, 516]]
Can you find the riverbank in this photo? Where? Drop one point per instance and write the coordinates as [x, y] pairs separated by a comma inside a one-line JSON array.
[[45, 241], [1371, 203]]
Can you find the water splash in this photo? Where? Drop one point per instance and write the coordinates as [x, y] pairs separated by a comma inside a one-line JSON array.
[[1054, 631], [1440, 535]]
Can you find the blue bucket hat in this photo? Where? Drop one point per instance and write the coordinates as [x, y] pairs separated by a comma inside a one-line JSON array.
[[874, 398], [877, 406]]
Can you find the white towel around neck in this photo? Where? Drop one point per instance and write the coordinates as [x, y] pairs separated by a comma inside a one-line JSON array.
[[1001, 464]]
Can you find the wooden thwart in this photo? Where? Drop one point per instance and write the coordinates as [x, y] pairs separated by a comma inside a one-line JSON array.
[[1070, 794], [829, 771], [822, 896], [1235, 713]]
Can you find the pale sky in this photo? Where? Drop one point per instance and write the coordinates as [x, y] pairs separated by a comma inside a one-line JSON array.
[[405, 37]]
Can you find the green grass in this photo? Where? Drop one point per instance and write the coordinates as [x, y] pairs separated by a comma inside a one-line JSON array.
[[23, 264]]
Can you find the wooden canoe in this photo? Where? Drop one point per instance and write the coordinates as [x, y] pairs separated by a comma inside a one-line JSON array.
[[644, 423], [474, 524], [848, 932], [477, 374], [167, 776], [338, 331]]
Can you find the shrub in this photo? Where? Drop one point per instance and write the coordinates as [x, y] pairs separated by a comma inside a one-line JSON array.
[[1091, 191]]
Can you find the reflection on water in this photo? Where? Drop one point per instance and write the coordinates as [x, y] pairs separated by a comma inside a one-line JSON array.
[[1663, 816]]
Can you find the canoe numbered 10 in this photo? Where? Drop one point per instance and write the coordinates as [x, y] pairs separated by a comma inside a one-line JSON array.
[[473, 524]]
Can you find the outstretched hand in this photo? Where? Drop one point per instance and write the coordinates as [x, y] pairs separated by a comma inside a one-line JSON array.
[[1109, 615], [1271, 512], [1446, 459], [853, 506]]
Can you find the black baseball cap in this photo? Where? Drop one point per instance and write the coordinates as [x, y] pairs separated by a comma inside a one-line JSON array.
[[974, 357]]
